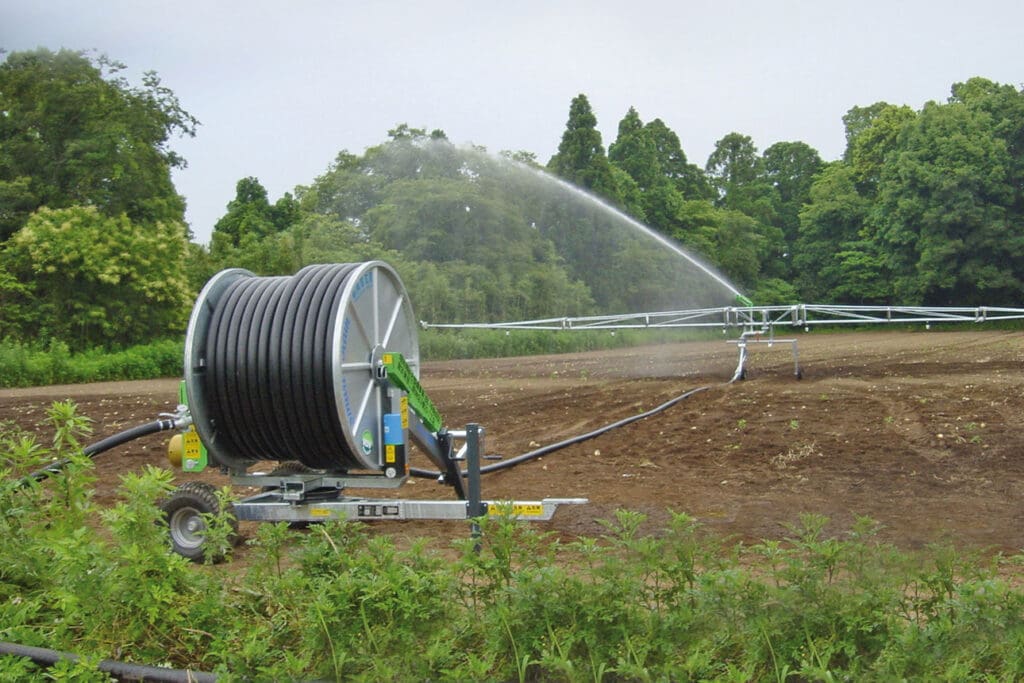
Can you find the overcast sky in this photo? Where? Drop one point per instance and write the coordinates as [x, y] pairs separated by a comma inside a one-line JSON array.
[[281, 87]]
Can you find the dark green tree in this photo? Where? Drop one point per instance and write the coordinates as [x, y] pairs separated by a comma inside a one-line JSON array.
[[633, 199], [75, 132], [688, 179], [641, 184], [733, 168], [347, 190], [254, 233], [1004, 104], [856, 120], [834, 260], [660, 179], [739, 246], [736, 171], [874, 136], [634, 151], [285, 212], [249, 213], [945, 210], [580, 158], [790, 168]]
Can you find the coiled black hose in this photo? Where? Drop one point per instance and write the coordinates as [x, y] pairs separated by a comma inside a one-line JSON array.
[[551, 448], [269, 352]]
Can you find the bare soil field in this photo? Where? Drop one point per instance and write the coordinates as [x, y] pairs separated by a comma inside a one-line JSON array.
[[917, 430]]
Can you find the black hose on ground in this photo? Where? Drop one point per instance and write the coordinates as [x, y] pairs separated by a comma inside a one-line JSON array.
[[551, 448], [127, 435], [132, 672], [101, 446]]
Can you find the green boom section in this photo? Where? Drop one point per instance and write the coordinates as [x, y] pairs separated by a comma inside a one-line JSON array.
[[401, 375]]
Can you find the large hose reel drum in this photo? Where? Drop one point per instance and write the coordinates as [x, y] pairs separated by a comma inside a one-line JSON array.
[[283, 368]]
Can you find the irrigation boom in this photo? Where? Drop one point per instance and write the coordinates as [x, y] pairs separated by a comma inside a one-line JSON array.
[[757, 323], [761, 317]]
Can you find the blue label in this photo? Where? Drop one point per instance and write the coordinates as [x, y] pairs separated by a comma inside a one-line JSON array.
[[393, 434], [361, 285]]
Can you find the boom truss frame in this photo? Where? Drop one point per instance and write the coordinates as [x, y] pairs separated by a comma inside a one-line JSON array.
[[754, 322], [757, 317]]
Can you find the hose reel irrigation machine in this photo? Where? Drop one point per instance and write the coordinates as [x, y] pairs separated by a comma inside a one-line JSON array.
[[318, 371]]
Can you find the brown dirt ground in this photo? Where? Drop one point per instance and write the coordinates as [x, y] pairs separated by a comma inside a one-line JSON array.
[[917, 430]]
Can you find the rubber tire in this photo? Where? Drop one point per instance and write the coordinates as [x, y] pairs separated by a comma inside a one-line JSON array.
[[182, 516]]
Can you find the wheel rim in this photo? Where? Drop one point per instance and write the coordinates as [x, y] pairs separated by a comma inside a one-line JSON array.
[[187, 527]]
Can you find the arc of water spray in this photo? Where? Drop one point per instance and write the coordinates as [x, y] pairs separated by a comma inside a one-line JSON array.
[[637, 225]]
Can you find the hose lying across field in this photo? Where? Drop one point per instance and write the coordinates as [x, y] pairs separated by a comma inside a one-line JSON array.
[[136, 432], [101, 446], [121, 670], [551, 448]]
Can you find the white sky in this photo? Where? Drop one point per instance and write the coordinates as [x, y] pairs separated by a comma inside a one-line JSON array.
[[281, 87]]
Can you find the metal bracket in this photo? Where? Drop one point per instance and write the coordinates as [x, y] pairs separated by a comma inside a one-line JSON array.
[[754, 337]]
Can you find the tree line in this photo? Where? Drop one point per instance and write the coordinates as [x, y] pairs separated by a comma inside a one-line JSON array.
[[924, 207]]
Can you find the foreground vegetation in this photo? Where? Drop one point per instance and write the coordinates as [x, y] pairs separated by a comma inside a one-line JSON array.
[[340, 602]]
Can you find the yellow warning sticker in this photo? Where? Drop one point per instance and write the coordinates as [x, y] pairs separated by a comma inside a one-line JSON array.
[[517, 509], [389, 454], [191, 441], [319, 512]]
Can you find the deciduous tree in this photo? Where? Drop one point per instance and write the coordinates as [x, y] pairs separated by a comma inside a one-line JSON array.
[[90, 279], [835, 262], [73, 131], [944, 206]]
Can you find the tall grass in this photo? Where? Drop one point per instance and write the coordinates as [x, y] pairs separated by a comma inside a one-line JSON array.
[[340, 602], [22, 365]]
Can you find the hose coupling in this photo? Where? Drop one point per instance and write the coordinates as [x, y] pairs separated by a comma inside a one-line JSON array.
[[181, 418]]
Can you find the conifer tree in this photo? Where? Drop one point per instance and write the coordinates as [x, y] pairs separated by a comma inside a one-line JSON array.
[[580, 158]]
